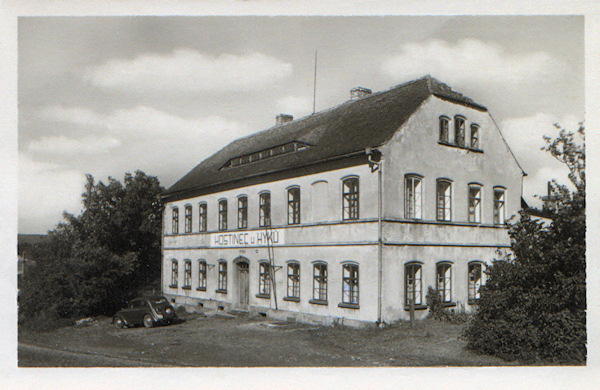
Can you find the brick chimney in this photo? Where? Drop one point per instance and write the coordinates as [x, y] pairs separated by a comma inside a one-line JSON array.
[[359, 92], [283, 118]]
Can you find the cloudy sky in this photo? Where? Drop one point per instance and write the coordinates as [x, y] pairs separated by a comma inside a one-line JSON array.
[[109, 95]]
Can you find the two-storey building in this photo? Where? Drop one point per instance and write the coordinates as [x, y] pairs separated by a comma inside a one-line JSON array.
[[364, 206]]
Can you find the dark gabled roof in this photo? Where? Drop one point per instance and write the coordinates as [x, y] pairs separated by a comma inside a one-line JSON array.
[[343, 130]]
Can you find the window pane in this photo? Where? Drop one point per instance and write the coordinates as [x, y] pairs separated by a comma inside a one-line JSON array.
[[188, 219], [350, 199], [459, 131], [264, 281], [265, 210], [444, 130], [293, 206], [499, 216], [293, 280], [242, 212], [413, 197], [174, 272], [444, 201], [175, 220], [202, 217], [350, 284], [474, 281], [320, 282], [223, 215], [474, 204], [413, 284], [475, 137]]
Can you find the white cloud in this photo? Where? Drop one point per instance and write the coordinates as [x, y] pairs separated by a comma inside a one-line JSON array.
[[188, 70], [472, 61], [66, 145], [45, 191], [76, 115], [298, 106]]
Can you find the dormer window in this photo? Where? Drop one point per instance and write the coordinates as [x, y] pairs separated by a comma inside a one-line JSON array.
[[275, 151]]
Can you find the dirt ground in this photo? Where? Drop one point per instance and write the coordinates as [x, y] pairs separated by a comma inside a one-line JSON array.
[[223, 341]]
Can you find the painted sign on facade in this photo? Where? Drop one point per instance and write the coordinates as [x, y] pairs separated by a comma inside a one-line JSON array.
[[247, 239]]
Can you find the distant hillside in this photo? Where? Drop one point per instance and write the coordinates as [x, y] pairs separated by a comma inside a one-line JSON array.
[[30, 238]]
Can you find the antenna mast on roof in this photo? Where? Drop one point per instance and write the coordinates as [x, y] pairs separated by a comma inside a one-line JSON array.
[[315, 84]]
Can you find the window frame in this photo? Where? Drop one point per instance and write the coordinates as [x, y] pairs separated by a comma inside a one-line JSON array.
[[202, 282], [174, 273], [242, 215], [264, 209], [474, 286], [444, 132], [188, 218], [416, 277], [443, 200], [460, 131], [499, 207], [474, 137], [222, 277], [175, 220], [411, 211], [474, 210], [202, 216], [351, 198], [264, 279], [350, 285], [444, 281], [293, 202], [187, 274], [293, 281], [223, 215], [319, 293]]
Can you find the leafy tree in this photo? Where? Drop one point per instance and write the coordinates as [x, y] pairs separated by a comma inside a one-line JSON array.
[[92, 262], [533, 305]]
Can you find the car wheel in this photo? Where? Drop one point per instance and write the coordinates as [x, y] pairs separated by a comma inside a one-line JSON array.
[[119, 323], [148, 321]]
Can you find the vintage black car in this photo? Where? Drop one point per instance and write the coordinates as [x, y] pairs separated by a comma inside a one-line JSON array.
[[145, 310]]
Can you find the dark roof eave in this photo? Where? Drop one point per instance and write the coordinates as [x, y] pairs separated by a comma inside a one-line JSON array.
[[473, 105], [177, 194]]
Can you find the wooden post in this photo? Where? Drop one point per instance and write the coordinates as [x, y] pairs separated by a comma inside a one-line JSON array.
[[412, 313]]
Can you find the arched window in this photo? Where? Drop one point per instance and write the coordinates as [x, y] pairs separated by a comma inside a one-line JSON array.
[[264, 217], [187, 274], [293, 280], [202, 217], [444, 281], [222, 282], [444, 129], [174, 273], [413, 197], [350, 198], [413, 287], [175, 226], [188, 218], [264, 279], [223, 214], [459, 131], [201, 275], [475, 280], [242, 212], [320, 282], [475, 137], [294, 206], [350, 284], [475, 203], [499, 213], [444, 200]]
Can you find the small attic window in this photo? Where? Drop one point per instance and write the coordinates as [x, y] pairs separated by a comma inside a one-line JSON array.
[[265, 154]]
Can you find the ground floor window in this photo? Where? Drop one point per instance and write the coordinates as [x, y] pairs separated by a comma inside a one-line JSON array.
[[187, 274], [475, 279], [202, 275], [264, 279], [174, 273], [320, 282], [350, 284], [444, 281], [222, 276], [412, 284], [293, 280]]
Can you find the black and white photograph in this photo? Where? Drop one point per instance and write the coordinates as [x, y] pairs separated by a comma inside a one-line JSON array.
[[286, 191]]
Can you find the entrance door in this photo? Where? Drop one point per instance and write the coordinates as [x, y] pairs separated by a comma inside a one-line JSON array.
[[243, 285]]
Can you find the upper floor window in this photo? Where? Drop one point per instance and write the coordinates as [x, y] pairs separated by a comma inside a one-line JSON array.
[[459, 130], [413, 284], [444, 200], [350, 198], [350, 284], [264, 217], [202, 275], [242, 212], [187, 274], [175, 227], [222, 282], [223, 214], [444, 281], [293, 280], [474, 203], [202, 217], [475, 280], [444, 129], [174, 273], [475, 136], [188, 218], [499, 214], [320, 282], [264, 279], [413, 197], [294, 206]]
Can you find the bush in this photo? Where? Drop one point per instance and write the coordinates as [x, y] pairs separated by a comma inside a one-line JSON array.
[[439, 312]]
